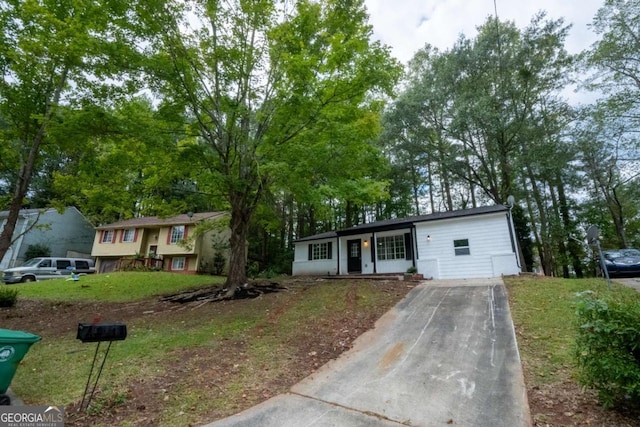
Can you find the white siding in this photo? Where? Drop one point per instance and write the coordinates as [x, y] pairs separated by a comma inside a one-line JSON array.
[[303, 266], [491, 252], [396, 265]]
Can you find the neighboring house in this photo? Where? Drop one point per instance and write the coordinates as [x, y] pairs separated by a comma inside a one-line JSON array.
[[158, 243], [470, 243], [67, 234]]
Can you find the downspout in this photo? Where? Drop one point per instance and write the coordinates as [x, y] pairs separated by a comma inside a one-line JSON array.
[[415, 244]]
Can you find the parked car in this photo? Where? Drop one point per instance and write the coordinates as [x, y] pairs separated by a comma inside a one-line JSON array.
[[48, 268], [622, 262]]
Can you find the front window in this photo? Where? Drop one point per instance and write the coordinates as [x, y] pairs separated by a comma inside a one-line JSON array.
[[128, 235], [177, 234], [461, 247], [107, 236], [320, 251], [32, 262], [178, 263], [391, 247]]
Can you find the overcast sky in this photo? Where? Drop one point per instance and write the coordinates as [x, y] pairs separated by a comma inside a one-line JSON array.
[[407, 25]]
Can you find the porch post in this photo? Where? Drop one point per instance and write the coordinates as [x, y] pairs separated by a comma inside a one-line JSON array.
[[338, 255]]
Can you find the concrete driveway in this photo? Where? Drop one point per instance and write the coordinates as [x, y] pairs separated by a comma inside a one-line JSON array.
[[445, 355], [632, 282]]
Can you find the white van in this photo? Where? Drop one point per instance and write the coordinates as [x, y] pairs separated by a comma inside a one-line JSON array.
[[44, 268]]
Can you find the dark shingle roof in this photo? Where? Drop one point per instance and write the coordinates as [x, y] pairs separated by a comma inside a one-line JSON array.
[[396, 223], [154, 221]]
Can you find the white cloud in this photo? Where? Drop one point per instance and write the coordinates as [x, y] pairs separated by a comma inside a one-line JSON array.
[[407, 25]]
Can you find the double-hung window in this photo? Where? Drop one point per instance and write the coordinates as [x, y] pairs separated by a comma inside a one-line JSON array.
[[320, 251], [391, 247], [128, 235], [177, 234], [107, 236], [178, 263], [461, 247]]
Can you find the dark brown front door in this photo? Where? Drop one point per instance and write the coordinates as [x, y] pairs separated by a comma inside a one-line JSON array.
[[354, 264]]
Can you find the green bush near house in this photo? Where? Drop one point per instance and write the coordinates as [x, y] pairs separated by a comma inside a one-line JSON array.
[[608, 345], [37, 250], [8, 296]]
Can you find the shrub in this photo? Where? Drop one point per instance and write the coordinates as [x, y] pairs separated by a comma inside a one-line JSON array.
[[37, 250], [268, 273], [8, 297], [608, 346], [219, 262], [253, 269]]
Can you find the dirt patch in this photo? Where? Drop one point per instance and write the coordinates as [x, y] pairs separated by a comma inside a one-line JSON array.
[[566, 404], [217, 368]]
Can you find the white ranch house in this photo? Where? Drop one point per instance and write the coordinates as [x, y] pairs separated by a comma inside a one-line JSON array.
[[469, 243]]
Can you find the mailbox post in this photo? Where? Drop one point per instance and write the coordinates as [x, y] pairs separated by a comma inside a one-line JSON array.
[[98, 332]]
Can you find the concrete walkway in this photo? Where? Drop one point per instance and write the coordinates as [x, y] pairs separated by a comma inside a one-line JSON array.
[[445, 355]]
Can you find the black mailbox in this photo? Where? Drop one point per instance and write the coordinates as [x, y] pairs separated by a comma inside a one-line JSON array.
[[97, 332]]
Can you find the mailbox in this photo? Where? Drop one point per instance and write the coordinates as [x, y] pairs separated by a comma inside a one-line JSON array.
[[103, 331]]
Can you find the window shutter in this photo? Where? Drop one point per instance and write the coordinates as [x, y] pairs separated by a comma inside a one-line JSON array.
[[186, 229], [310, 251], [121, 235], [408, 246], [101, 236], [169, 235], [135, 235], [329, 256]]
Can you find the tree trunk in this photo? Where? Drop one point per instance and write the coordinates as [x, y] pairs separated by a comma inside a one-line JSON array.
[[558, 234], [415, 187], [26, 170], [569, 228], [544, 248], [430, 183], [240, 217]]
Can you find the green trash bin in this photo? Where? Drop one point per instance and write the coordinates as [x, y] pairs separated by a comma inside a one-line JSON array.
[[13, 346]]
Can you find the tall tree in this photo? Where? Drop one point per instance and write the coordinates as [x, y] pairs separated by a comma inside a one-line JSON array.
[[120, 164], [488, 113], [253, 77], [53, 52], [608, 135]]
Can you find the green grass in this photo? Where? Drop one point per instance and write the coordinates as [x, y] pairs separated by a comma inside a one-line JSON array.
[[544, 314], [116, 287]]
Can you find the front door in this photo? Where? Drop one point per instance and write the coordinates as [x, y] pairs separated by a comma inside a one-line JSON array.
[[354, 264]]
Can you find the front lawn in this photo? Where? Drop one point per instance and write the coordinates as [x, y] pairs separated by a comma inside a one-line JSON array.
[[185, 364], [120, 286]]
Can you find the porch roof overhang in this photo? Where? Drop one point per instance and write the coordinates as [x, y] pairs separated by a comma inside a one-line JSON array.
[[400, 223]]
